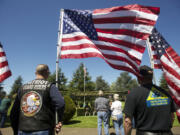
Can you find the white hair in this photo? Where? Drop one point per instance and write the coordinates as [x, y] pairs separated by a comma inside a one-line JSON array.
[[116, 96]]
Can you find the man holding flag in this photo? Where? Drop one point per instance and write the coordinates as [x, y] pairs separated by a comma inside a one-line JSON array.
[[152, 107]]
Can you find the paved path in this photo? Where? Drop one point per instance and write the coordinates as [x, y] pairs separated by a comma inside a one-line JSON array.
[[81, 131]]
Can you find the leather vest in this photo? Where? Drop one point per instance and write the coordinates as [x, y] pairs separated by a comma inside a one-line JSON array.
[[36, 112]]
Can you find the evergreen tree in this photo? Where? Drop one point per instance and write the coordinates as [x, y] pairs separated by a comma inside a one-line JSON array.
[[101, 84], [125, 82], [62, 80], [163, 83], [1, 87], [77, 82], [16, 85], [113, 86]]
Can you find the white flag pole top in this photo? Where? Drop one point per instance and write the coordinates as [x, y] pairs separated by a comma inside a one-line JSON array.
[[60, 31], [151, 58]]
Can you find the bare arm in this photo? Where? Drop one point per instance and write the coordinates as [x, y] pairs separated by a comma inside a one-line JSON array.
[[127, 126]]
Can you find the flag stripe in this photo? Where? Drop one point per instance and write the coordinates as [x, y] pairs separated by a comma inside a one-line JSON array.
[[116, 52], [136, 27], [145, 9], [131, 33], [2, 54], [3, 64], [123, 43], [170, 67], [5, 75], [139, 42], [134, 20]]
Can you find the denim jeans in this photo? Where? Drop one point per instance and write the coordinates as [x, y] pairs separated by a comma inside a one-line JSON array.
[[45, 132], [118, 124], [103, 117], [3, 119]]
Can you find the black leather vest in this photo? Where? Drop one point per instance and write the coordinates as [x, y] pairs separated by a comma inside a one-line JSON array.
[[36, 112]]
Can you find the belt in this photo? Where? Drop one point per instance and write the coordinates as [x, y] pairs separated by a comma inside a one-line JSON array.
[[140, 132], [102, 110]]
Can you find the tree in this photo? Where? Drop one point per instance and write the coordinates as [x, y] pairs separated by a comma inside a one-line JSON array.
[[62, 80], [125, 82], [113, 86], [101, 84], [77, 82], [1, 87], [163, 83], [16, 85]]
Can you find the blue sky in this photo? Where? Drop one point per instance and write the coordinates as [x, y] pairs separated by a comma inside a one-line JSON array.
[[29, 29]]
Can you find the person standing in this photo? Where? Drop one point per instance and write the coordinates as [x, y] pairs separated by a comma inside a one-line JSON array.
[[116, 108], [102, 108], [110, 111], [34, 108], [151, 106], [5, 103]]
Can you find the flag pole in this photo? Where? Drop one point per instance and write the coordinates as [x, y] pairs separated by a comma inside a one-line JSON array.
[[151, 59], [84, 85], [59, 41]]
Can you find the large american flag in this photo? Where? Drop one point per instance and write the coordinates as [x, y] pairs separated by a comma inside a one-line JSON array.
[[117, 35], [168, 60], [4, 68]]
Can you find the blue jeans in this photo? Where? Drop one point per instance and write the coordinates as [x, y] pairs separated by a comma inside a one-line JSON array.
[[3, 119], [118, 124], [103, 117], [45, 132]]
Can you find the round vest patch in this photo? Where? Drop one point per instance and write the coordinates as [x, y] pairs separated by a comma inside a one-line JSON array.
[[31, 103]]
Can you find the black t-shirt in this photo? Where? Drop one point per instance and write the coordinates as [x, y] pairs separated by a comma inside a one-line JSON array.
[[151, 108]]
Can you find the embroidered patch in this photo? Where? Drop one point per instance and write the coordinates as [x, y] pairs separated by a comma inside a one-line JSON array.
[[31, 103], [156, 98]]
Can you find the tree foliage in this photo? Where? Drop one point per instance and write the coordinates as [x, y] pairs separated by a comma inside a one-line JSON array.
[[125, 82], [77, 82], [16, 85], [62, 80], [101, 84], [163, 83], [1, 87]]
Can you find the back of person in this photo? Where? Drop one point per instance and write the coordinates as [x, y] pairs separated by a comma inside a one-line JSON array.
[[152, 107], [102, 104], [158, 108], [5, 103], [35, 106], [102, 108], [117, 107]]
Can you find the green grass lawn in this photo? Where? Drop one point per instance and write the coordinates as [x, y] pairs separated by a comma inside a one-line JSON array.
[[91, 122], [83, 122]]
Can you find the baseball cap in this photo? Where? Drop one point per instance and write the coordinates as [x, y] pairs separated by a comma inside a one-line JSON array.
[[145, 71]]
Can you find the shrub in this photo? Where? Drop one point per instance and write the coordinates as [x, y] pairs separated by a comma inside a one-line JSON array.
[[70, 109]]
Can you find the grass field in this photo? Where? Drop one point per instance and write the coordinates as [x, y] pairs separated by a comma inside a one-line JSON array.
[[91, 122]]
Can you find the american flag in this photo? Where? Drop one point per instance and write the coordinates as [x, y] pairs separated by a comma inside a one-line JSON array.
[[4, 69], [117, 35], [169, 61]]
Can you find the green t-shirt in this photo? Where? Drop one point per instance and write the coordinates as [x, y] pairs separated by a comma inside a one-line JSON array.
[[5, 103]]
